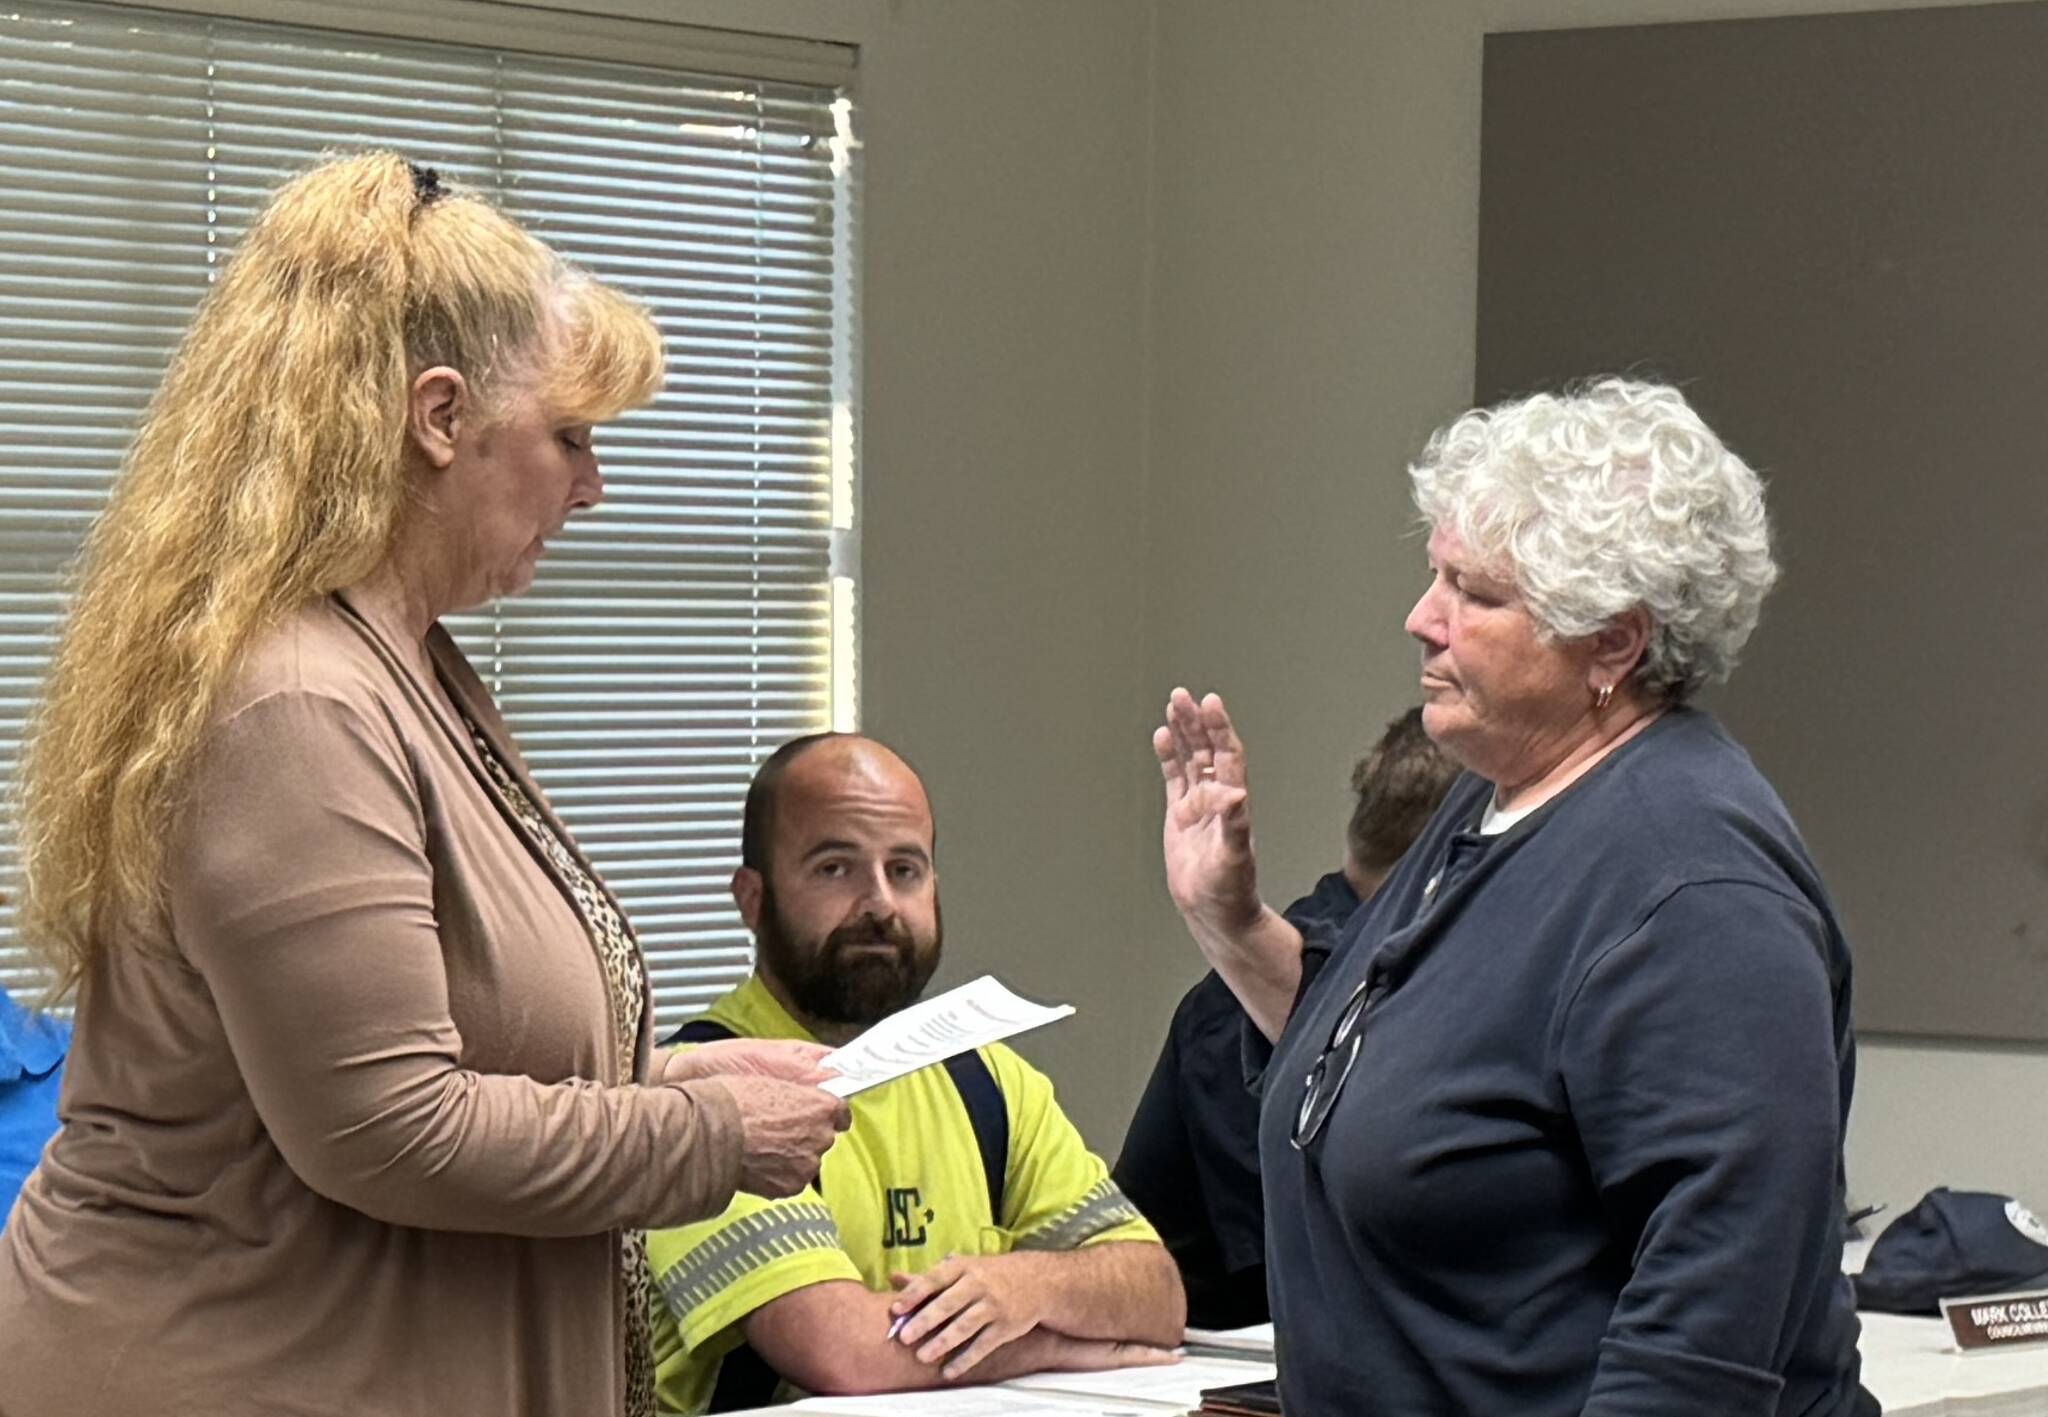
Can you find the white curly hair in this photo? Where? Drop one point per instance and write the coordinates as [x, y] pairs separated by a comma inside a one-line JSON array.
[[1611, 495]]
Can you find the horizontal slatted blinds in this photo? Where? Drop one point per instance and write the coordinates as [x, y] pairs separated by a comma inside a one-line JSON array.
[[675, 635]]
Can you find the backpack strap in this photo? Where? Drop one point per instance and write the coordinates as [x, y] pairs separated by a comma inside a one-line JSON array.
[[979, 1093], [745, 1381], [990, 1119], [699, 1030], [709, 1030]]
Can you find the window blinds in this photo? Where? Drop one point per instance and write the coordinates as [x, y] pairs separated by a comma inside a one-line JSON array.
[[675, 635]]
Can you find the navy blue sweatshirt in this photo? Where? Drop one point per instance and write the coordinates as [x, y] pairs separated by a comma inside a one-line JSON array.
[[1589, 1160]]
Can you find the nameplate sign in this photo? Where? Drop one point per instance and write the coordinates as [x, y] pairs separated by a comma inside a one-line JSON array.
[[1998, 1320]]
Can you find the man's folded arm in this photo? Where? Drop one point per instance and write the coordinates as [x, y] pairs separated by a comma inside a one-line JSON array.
[[1129, 1290], [963, 1309], [832, 1338]]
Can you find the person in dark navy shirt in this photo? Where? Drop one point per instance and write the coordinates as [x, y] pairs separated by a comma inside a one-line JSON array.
[[1191, 1157], [1553, 1125]]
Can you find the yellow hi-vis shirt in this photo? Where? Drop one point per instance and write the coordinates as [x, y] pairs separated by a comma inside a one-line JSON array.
[[903, 1188]]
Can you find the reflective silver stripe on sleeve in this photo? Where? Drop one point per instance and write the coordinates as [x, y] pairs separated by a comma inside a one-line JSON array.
[[1103, 1208], [743, 1247]]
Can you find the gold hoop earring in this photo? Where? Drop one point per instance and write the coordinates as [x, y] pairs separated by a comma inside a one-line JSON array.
[[1603, 696]]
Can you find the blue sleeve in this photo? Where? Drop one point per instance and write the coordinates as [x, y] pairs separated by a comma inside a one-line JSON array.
[[31, 1072], [1698, 1057]]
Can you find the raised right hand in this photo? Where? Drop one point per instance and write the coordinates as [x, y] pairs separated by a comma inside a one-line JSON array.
[[1210, 869], [786, 1127]]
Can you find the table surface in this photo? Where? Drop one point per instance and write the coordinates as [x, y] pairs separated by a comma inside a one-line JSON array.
[[1911, 1365]]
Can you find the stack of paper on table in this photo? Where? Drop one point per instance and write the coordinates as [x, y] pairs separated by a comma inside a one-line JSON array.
[[968, 1402], [1176, 1387], [1254, 1343], [1114, 1392]]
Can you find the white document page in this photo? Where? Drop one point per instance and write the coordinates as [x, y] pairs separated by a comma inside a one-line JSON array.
[[973, 1402], [1178, 1385], [933, 1031]]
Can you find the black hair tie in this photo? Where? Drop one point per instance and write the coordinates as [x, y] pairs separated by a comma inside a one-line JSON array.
[[426, 184]]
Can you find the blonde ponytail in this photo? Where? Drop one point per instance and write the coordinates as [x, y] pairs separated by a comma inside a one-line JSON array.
[[270, 469]]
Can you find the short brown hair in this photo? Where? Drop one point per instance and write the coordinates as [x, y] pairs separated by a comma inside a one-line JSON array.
[[1399, 784]]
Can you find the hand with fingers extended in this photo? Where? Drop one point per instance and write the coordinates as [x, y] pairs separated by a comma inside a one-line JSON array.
[[786, 1128], [963, 1309], [788, 1060], [1210, 870]]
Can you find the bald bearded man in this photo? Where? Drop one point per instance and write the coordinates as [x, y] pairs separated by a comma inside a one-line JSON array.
[[960, 1230]]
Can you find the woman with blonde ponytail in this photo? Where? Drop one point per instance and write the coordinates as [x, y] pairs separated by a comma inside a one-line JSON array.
[[359, 1114]]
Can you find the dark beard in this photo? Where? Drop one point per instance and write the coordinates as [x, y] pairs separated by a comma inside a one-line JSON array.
[[827, 983]]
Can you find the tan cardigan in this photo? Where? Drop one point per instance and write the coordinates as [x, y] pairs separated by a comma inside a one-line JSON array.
[[349, 1139]]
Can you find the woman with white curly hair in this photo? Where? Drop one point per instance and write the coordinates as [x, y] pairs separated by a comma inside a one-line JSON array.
[[1554, 1124]]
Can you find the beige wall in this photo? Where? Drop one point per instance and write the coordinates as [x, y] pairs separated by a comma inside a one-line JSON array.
[[1159, 296], [1003, 367], [1003, 465]]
